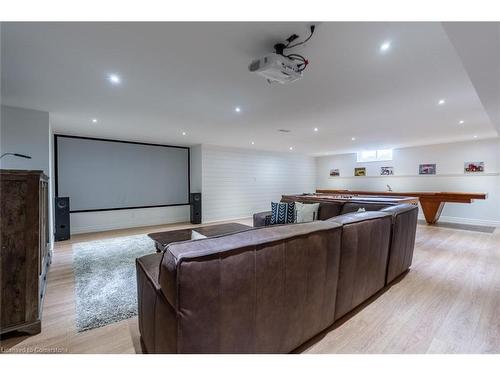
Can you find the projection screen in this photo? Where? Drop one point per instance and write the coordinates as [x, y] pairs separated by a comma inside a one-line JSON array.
[[102, 174]]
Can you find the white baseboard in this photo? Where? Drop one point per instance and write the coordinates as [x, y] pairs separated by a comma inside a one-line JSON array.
[[126, 225], [465, 221]]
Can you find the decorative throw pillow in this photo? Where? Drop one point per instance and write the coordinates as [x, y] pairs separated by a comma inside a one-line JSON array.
[[197, 236], [361, 209], [282, 213], [306, 212]]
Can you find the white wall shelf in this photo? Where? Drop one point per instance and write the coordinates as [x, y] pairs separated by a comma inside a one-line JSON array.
[[491, 174]]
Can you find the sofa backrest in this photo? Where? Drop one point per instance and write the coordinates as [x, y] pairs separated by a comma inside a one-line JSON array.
[[404, 228], [266, 290], [363, 257]]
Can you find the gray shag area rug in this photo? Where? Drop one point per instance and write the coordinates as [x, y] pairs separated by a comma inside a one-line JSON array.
[[105, 279]]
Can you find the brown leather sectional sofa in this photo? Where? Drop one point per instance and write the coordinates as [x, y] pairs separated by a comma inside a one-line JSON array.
[[270, 289]]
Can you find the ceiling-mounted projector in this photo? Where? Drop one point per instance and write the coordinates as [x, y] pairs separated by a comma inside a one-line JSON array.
[[277, 68], [281, 68]]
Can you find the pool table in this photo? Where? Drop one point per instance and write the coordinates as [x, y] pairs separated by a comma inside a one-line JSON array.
[[432, 203]]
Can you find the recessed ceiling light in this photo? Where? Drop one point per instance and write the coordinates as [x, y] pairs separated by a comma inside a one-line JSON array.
[[94, 120], [252, 142], [461, 122], [290, 148], [316, 129], [114, 79], [441, 101], [183, 133], [237, 109], [475, 136], [353, 138], [385, 46]]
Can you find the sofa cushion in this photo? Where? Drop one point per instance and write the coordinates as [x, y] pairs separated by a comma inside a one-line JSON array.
[[306, 212], [282, 213], [329, 209]]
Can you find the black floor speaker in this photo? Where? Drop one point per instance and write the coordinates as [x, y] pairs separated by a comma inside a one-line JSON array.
[[62, 219], [195, 202]]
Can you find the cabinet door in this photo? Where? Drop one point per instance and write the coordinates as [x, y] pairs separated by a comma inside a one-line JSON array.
[[14, 273]]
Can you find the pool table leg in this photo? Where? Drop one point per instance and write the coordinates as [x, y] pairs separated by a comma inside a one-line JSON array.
[[432, 210]]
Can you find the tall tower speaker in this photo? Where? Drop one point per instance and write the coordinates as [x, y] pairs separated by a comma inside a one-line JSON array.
[[62, 219], [195, 202]]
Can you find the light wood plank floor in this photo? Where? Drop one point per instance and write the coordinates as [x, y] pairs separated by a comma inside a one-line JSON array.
[[448, 303]]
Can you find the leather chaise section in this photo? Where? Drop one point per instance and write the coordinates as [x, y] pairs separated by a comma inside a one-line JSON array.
[[157, 322], [261, 291], [404, 227], [363, 258]]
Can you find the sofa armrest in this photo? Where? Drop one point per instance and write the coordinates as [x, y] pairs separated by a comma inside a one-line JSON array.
[[157, 317], [261, 219]]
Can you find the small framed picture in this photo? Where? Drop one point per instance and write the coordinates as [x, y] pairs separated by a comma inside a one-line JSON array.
[[334, 172], [386, 171], [360, 172], [474, 167], [427, 169]]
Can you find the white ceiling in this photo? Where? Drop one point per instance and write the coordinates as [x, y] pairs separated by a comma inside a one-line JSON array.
[[190, 76]]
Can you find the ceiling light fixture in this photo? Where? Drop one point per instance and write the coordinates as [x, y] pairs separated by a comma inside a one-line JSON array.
[[475, 136], [183, 133], [353, 138], [461, 122], [114, 79], [316, 129], [441, 101], [252, 142], [385, 46], [290, 148], [237, 109], [94, 120]]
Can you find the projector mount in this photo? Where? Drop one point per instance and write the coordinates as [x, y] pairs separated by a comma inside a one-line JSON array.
[[280, 49]]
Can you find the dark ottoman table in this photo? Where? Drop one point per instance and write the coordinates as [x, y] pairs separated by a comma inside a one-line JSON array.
[[162, 239]]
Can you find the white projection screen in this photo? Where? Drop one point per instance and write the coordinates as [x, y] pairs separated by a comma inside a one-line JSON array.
[[101, 174]]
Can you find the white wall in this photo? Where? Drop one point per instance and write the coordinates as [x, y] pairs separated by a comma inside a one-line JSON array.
[[25, 131], [450, 160], [236, 183], [196, 168]]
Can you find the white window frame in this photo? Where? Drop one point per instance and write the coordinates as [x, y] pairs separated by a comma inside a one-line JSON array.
[[369, 156]]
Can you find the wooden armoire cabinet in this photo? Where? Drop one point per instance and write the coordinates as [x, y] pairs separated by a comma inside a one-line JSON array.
[[25, 252]]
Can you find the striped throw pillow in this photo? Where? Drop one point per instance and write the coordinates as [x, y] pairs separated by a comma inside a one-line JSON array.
[[282, 213]]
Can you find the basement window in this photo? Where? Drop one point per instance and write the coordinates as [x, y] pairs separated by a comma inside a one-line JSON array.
[[374, 155]]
